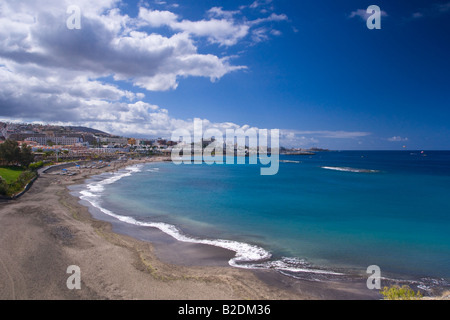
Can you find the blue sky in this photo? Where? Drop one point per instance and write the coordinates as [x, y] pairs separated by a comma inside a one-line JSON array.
[[310, 68]]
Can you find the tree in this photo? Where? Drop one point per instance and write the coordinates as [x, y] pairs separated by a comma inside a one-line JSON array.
[[26, 155], [13, 154], [3, 186], [10, 151]]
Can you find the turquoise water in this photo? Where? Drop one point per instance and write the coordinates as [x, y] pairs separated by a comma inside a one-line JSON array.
[[318, 213]]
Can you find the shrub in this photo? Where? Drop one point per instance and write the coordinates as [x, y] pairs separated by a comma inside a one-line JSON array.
[[400, 293], [18, 185], [36, 165], [3, 186]]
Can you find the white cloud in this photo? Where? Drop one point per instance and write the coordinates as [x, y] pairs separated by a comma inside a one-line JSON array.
[[259, 3], [307, 139], [397, 139], [444, 7], [224, 32], [272, 18], [260, 34], [73, 99], [334, 134], [275, 32], [109, 43], [434, 10], [362, 14], [218, 12], [289, 138], [156, 18], [220, 28]]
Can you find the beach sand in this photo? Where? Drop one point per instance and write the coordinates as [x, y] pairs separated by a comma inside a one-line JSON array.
[[47, 229]]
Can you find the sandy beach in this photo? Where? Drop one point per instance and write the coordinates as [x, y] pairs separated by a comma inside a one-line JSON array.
[[47, 229]]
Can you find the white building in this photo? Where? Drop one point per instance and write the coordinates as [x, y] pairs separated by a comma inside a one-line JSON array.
[[56, 140]]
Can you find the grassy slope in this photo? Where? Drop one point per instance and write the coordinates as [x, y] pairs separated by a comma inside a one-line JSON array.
[[10, 174]]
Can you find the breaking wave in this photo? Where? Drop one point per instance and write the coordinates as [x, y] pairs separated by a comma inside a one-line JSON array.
[[347, 169]]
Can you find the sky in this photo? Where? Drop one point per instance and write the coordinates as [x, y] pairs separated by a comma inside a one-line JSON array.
[[312, 69]]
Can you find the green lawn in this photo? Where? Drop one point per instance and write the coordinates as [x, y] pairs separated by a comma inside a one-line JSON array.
[[10, 174]]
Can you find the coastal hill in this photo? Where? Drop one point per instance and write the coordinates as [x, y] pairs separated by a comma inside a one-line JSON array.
[[87, 130], [301, 152]]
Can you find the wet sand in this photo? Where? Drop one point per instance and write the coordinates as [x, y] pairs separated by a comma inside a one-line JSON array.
[[47, 229]]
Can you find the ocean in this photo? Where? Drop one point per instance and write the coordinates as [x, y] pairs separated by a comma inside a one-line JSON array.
[[323, 216]]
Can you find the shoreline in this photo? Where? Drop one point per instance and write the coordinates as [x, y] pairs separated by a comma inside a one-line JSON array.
[[47, 229]]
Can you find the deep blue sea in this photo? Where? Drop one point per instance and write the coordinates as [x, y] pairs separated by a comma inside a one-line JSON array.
[[331, 213]]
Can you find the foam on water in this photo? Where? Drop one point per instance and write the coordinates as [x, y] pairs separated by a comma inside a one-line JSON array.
[[346, 169], [290, 264]]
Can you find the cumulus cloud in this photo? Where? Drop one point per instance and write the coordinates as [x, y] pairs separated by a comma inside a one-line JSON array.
[[109, 43], [157, 18]]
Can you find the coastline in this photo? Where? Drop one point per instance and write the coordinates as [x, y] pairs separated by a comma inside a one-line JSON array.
[[47, 230]]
